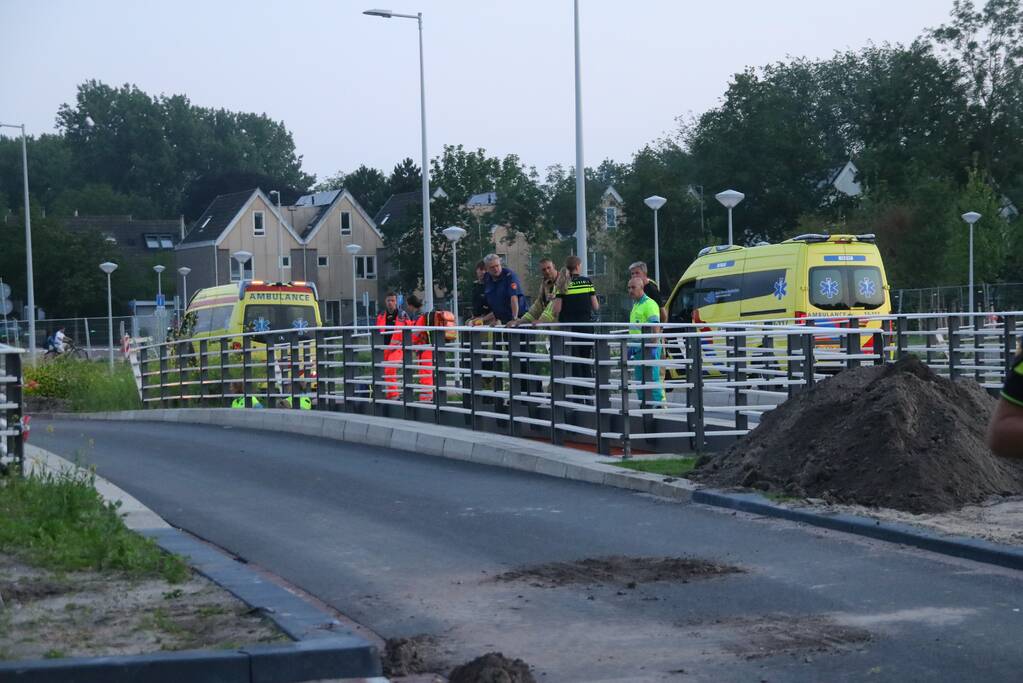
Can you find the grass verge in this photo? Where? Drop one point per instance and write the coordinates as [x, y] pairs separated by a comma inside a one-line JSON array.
[[84, 384], [671, 467], [59, 522]]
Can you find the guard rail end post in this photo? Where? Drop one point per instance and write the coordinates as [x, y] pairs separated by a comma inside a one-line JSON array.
[[809, 359], [14, 367], [691, 389], [475, 367], [376, 356], [900, 337], [246, 371], [739, 366], [438, 338], [698, 442], [294, 369], [163, 374], [319, 349], [143, 361], [223, 370], [852, 345], [623, 364], [792, 343], [348, 361], [879, 347], [269, 362], [953, 348], [408, 373], [557, 389], [1008, 341], [977, 337], [204, 370], [514, 349], [601, 392]]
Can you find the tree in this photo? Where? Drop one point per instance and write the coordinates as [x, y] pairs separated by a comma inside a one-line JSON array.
[[406, 177], [98, 199], [368, 185]]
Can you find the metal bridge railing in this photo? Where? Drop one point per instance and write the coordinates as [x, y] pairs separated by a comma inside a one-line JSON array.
[[688, 387], [12, 437]]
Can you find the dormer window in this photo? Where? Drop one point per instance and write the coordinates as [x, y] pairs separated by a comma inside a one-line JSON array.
[[346, 223], [258, 225], [611, 217]]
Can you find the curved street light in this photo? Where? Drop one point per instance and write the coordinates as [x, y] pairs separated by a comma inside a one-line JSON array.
[[729, 199], [971, 217], [655, 202], [109, 267]]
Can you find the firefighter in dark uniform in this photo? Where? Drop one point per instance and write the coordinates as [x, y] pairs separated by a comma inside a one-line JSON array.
[[1005, 433]]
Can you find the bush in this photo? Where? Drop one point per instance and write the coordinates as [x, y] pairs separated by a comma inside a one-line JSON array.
[[87, 385], [60, 522]]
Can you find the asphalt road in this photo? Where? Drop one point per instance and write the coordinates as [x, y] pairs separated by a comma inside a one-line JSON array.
[[409, 544]]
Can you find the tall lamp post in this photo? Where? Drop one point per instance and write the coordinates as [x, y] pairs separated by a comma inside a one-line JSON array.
[[280, 249], [354, 249], [971, 217], [454, 233], [655, 202], [29, 280], [729, 199], [580, 169], [242, 257], [109, 267], [159, 284], [427, 248], [183, 271]]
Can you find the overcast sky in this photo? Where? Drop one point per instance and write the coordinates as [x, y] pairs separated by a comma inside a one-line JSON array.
[[499, 73]]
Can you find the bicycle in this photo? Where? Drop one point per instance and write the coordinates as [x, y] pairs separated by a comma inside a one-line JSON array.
[[71, 350]]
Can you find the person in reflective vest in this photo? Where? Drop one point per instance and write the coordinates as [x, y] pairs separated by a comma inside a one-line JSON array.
[[1005, 433], [645, 318], [389, 322], [421, 337], [239, 401], [304, 402]]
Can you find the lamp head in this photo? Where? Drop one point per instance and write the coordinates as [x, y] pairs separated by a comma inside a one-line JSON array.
[[108, 267], [242, 257], [454, 233], [385, 13], [729, 198], [184, 271], [353, 249], [159, 269], [971, 217], [655, 202]]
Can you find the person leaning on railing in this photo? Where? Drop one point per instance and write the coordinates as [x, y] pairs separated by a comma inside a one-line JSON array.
[[645, 318], [1005, 433], [542, 309]]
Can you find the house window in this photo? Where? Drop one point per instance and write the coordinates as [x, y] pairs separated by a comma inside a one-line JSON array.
[[611, 217], [346, 223], [333, 311], [258, 226], [159, 242], [322, 261], [285, 262], [236, 272], [596, 264], [366, 267]]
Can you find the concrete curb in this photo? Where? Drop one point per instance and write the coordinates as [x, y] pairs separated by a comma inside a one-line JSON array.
[[425, 438], [957, 546], [323, 648]]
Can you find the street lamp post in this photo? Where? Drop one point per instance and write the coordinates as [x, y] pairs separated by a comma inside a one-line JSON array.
[[109, 267], [580, 169], [30, 290], [159, 283], [354, 249], [971, 217], [427, 248], [242, 257], [454, 233], [730, 199], [655, 202], [183, 271], [280, 249]]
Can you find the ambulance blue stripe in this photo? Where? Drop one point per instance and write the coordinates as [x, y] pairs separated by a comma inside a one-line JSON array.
[[845, 257]]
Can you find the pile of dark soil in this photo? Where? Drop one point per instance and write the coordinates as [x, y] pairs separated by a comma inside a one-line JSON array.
[[617, 569], [896, 436], [492, 667], [405, 656]]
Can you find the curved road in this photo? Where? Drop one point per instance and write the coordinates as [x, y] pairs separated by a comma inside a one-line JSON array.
[[409, 544]]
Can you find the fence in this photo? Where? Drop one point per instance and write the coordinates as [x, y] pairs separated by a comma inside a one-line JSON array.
[[88, 333], [12, 453], [686, 388], [987, 297]]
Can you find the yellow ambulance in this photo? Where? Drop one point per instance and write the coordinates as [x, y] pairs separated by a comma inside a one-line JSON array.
[[252, 306], [827, 278]]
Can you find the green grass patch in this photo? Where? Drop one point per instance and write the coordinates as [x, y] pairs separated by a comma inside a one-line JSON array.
[[86, 385], [59, 522], [670, 467]]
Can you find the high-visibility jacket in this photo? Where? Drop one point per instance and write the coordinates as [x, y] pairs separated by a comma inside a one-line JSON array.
[[1013, 391], [304, 402], [398, 318], [420, 335], [239, 402]]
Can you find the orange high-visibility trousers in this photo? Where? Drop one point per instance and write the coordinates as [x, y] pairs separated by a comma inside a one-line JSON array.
[[425, 361], [391, 387]]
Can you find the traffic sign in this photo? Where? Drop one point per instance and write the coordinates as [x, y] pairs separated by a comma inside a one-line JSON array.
[[161, 300]]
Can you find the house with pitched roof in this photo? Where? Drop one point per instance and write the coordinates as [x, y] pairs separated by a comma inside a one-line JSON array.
[[305, 242]]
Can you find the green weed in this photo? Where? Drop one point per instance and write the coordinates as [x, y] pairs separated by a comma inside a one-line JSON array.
[[87, 385], [59, 522], [670, 467]]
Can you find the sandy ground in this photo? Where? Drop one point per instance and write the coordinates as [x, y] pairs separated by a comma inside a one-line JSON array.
[[998, 519], [50, 615]]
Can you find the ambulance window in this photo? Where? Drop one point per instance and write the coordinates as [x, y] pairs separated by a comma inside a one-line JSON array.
[[717, 290], [764, 283], [682, 306], [266, 317], [202, 320], [828, 288], [221, 317], [866, 286]]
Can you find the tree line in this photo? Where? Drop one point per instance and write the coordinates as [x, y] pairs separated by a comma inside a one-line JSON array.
[[934, 128]]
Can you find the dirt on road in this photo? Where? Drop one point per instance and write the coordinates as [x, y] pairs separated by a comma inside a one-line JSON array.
[[626, 571], [896, 436]]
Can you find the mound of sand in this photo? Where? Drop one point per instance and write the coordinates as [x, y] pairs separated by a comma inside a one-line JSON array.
[[492, 667], [896, 436]]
